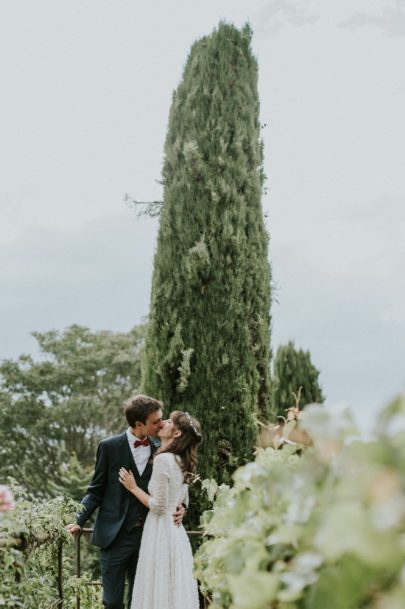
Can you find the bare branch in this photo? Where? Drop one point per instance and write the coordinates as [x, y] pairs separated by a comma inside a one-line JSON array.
[[145, 208]]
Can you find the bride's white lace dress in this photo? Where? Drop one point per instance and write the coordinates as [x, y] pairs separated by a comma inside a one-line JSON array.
[[164, 578]]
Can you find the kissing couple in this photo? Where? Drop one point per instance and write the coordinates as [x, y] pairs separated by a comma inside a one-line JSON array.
[[141, 492]]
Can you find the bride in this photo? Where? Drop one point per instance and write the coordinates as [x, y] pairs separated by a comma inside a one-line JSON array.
[[164, 575]]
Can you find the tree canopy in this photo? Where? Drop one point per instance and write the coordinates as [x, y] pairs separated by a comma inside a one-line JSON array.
[[54, 409], [292, 370], [208, 346]]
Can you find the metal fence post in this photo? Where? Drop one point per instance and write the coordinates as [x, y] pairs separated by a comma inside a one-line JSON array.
[[78, 566], [60, 574]]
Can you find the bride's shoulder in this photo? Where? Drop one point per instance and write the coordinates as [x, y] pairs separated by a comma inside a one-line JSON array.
[[164, 458]]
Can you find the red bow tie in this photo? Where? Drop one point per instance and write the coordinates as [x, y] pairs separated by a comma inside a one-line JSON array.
[[144, 442]]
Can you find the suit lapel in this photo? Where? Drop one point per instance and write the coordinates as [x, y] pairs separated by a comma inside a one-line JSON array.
[[130, 461]]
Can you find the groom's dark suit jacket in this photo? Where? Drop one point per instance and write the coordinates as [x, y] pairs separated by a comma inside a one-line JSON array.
[[117, 506]]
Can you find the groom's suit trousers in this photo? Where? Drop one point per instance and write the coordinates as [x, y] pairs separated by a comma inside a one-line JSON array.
[[118, 562]]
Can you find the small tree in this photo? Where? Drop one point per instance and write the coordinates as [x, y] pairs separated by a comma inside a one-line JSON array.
[[207, 349], [293, 369], [54, 410]]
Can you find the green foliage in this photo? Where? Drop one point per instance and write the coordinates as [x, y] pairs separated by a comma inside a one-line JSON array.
[[292, 369], [207, 349], [54, 410], [322, 530], [30, 536], [90, 594]]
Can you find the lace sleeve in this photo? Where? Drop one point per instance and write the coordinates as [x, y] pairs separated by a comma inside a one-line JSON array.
[[161, 473]]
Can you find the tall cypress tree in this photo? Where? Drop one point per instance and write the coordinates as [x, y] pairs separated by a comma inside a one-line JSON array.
[[207, 350], [293, 369]]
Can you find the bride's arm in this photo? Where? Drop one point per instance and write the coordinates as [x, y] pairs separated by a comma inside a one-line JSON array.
[[157, 503], [127, 479]]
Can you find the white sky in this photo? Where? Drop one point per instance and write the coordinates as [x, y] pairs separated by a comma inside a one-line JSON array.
[[85, 93]]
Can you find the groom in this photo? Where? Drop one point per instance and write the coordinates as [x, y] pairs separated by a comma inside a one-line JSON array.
[[120, 519]]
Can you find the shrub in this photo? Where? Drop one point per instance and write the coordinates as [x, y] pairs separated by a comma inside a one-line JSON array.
[[324, 530]]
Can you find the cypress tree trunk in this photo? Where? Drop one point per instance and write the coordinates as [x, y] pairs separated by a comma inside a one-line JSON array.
[[293, 369], [207, 350]]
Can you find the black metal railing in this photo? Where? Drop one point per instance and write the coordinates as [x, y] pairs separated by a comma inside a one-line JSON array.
[[20, 543]]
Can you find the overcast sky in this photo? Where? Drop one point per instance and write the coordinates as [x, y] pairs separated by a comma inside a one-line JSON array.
[[86, 87]]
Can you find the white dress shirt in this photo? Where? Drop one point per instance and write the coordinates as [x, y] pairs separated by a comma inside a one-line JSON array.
[[141, 454]]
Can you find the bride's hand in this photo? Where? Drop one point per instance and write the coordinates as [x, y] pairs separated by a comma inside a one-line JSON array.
[[127, 479]]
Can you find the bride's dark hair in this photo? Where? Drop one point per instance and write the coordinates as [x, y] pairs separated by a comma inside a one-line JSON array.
[[185, 445]]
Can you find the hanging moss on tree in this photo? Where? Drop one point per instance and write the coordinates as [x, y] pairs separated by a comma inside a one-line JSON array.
[[207, 350]]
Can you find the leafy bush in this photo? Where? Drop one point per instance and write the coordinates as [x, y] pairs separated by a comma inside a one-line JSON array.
[[324, 529], [30, 535]]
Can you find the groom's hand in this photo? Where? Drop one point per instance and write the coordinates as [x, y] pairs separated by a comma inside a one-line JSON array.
[[74, 529], [179, 515]]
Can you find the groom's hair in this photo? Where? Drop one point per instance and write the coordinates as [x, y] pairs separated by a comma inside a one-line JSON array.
[[139, 407]]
